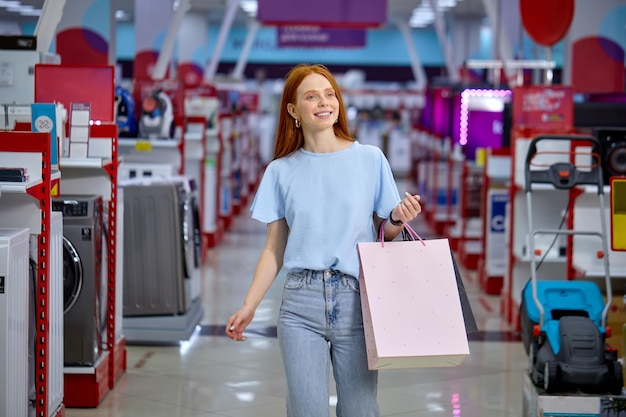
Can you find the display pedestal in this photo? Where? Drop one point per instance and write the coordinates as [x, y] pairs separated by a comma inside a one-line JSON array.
[[537, 403], [163, 329], [86, 386]]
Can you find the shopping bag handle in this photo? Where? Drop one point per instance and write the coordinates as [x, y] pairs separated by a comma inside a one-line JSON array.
[[409, 231]]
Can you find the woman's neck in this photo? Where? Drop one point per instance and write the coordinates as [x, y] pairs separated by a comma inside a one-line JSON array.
[[324, 142]]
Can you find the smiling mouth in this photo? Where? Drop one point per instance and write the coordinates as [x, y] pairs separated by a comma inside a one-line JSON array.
[[322, 114]]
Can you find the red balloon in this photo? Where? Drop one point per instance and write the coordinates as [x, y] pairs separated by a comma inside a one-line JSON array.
[[546, 21]]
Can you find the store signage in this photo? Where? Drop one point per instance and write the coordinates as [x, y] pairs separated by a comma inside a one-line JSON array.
[[304, 36], [543, 107], [495, 239], [328, 13]]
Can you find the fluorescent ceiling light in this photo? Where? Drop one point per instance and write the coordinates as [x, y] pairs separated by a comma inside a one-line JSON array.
[[9, 3], [249, 6], [31, 12], [20, 8], [121, 15]]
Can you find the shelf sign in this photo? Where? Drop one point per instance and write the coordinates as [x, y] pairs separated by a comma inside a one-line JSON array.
[[327, 13], [305, 36], [543, 107], [495, 239]]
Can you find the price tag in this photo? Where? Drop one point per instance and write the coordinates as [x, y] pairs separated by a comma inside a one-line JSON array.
[[143, 146]]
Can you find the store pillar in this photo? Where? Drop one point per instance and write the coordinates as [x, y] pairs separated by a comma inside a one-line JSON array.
[[465, 42], [86, 33]]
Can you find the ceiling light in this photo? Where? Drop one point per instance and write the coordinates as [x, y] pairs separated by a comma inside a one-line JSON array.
[[249, 6], [9, 3], [20, 8], [121, 15], [31, 12]]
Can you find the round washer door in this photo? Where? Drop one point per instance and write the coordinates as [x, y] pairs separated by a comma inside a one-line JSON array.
[[72, 275]]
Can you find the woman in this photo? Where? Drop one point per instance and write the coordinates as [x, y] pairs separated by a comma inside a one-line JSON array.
[[322, 194]]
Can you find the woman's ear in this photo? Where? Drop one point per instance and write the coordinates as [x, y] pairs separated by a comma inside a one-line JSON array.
[[291, 109]]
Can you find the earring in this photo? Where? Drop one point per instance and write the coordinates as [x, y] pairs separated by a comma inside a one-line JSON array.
[[297, 123], [336, 121]]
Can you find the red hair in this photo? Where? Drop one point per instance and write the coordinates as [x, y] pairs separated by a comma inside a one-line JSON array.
[[288, 137]]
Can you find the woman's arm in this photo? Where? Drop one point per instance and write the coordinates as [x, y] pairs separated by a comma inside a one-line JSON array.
[[408, 209], [269, 264]]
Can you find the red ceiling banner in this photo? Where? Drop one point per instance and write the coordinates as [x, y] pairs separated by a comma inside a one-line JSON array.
[[327, 13]]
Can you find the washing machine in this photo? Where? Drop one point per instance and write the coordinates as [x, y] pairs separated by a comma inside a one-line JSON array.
[[83, 308], [14, 322], [159, 246]]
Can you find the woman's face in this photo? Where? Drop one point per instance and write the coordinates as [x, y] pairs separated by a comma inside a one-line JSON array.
[[316, 104]]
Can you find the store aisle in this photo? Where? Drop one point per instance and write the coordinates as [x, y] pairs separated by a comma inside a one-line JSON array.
[[212, 376]]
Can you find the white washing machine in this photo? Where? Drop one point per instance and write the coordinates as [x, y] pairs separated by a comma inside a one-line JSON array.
[[82, 275], [159, 247], [14, 322]]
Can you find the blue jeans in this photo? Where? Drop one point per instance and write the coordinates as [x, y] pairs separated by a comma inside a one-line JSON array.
[[320, 323]]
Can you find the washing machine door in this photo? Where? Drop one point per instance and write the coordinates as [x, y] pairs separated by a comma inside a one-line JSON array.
[[196, 232], [186, 220], [72, 275]]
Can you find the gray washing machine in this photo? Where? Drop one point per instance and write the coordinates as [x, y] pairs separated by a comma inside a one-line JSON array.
[[82, 277], [158, 247]]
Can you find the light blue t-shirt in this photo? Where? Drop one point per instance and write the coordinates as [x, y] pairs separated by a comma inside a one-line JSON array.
[[328, 200]]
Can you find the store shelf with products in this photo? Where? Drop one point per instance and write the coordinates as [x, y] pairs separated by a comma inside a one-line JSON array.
[[28, 205], [151, 151], [586, 251], [494, 200], [469, 219], [92, 88], [226, 131], [86, 386], [440, 178]]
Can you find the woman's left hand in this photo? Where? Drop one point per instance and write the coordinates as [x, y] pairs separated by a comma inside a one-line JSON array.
[[408, 209]]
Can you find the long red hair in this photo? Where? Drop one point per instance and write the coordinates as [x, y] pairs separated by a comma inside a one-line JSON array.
[[288, 137]]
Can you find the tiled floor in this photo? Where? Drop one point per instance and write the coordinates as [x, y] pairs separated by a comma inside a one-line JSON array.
[[212, 376]]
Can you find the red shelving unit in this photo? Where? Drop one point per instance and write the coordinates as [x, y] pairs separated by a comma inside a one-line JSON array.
[[87, 387], [39, 189], [92, 84]]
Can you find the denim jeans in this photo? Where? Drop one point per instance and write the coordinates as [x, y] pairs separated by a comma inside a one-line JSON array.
[[320, 323]]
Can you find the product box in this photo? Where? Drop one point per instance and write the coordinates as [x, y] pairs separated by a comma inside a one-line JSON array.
[[44, 119], [79, 129], [78, 150]]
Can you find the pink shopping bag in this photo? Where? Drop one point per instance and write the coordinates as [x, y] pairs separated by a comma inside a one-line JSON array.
[[411, 308]]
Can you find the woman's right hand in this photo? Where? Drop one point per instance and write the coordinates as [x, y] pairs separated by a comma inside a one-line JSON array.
[[238, 322]]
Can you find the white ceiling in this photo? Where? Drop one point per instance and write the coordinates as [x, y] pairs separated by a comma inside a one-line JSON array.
[[214, 9]]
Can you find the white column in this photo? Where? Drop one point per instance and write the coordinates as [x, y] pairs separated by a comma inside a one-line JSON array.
[[49, 19], [209, 72], [165, 55], [253, 28], [453, 73], [416, 65], [503, 45]]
